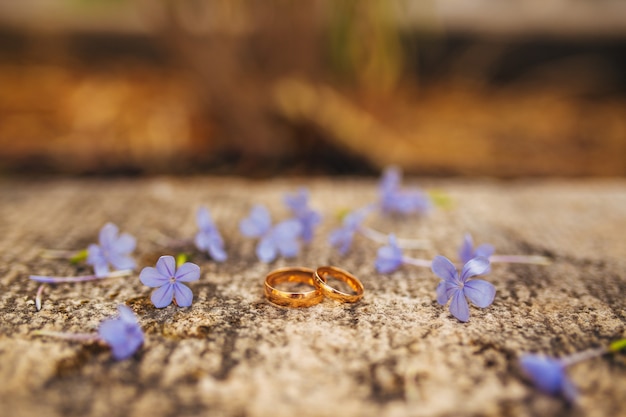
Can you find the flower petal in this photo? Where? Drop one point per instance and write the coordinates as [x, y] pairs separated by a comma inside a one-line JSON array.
[[152, 277], [444, 269], [288, 248], [266, 250], [132, 340], [112, 331], [108, 235], [442, 296], [481, 293], [202, 240], [166, 265], [388, 258], [203, 219], [121, 261], [287, 230], [546, 373], [216, 251], [485, 250], [459, 307], [476, 266], [183, 295], [126, 314], [188, 272], [101, 269], [390, 179], [162, 297], [94, 255], [466, 251], [125, 243], [257, 224], [341, 239], [297, 201]]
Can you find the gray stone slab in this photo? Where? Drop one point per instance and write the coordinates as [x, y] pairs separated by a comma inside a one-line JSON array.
[[394, 353]]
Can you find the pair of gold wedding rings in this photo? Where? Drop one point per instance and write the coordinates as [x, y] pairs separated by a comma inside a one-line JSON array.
[[317, 279]]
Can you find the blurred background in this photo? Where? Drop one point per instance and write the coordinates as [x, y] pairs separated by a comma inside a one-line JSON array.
[[287, 87]]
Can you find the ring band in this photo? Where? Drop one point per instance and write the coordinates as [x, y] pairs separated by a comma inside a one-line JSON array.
[[292, 299], [353, 282]]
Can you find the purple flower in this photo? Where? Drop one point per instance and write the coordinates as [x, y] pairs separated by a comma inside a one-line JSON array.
[[548, 375], [342, 238], [122, 333], [169, 281], [113, 250], [457, 287], [389, 258], [281, 239], [467, 251], [208, 238], [299, 205], [394, 199]]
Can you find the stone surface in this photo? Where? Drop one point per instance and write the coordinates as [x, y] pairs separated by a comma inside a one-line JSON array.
[[395, 353]]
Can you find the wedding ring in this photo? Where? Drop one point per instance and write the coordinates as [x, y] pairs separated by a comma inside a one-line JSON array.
[[321, 278], [292, 299]]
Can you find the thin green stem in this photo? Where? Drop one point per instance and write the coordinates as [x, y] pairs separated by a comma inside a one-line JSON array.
[[617, 345]]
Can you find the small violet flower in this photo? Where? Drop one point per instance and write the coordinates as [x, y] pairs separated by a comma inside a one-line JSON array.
[[208, 237], [456, 287], [342, 238], [298, 203], [548, 375], [281, 239], [169, 281], [467, 251], [122, 333], [389, 258], [113, 250], [394, 199]]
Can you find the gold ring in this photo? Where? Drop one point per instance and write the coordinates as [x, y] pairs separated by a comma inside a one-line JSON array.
[[353, 282], [292, 299]]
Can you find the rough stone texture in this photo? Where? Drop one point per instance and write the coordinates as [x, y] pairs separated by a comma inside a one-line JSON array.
[[232, 353]]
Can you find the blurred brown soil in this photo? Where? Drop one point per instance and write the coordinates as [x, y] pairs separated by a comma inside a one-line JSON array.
[[138, 119]]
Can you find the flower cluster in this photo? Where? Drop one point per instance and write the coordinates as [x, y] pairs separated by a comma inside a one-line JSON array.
[[282, 238], [114, 250], [456, 287], [397, 200], [393, 199], [169, 281]]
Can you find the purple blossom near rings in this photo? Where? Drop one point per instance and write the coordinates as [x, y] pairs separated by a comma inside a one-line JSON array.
[[168, 281], [298, 203], [208, 237], [122, 333], [114, 250], [342, 237], [394, 199], [467, 251], [457, 287], [389, 258], [281, 239], [548, 375]]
